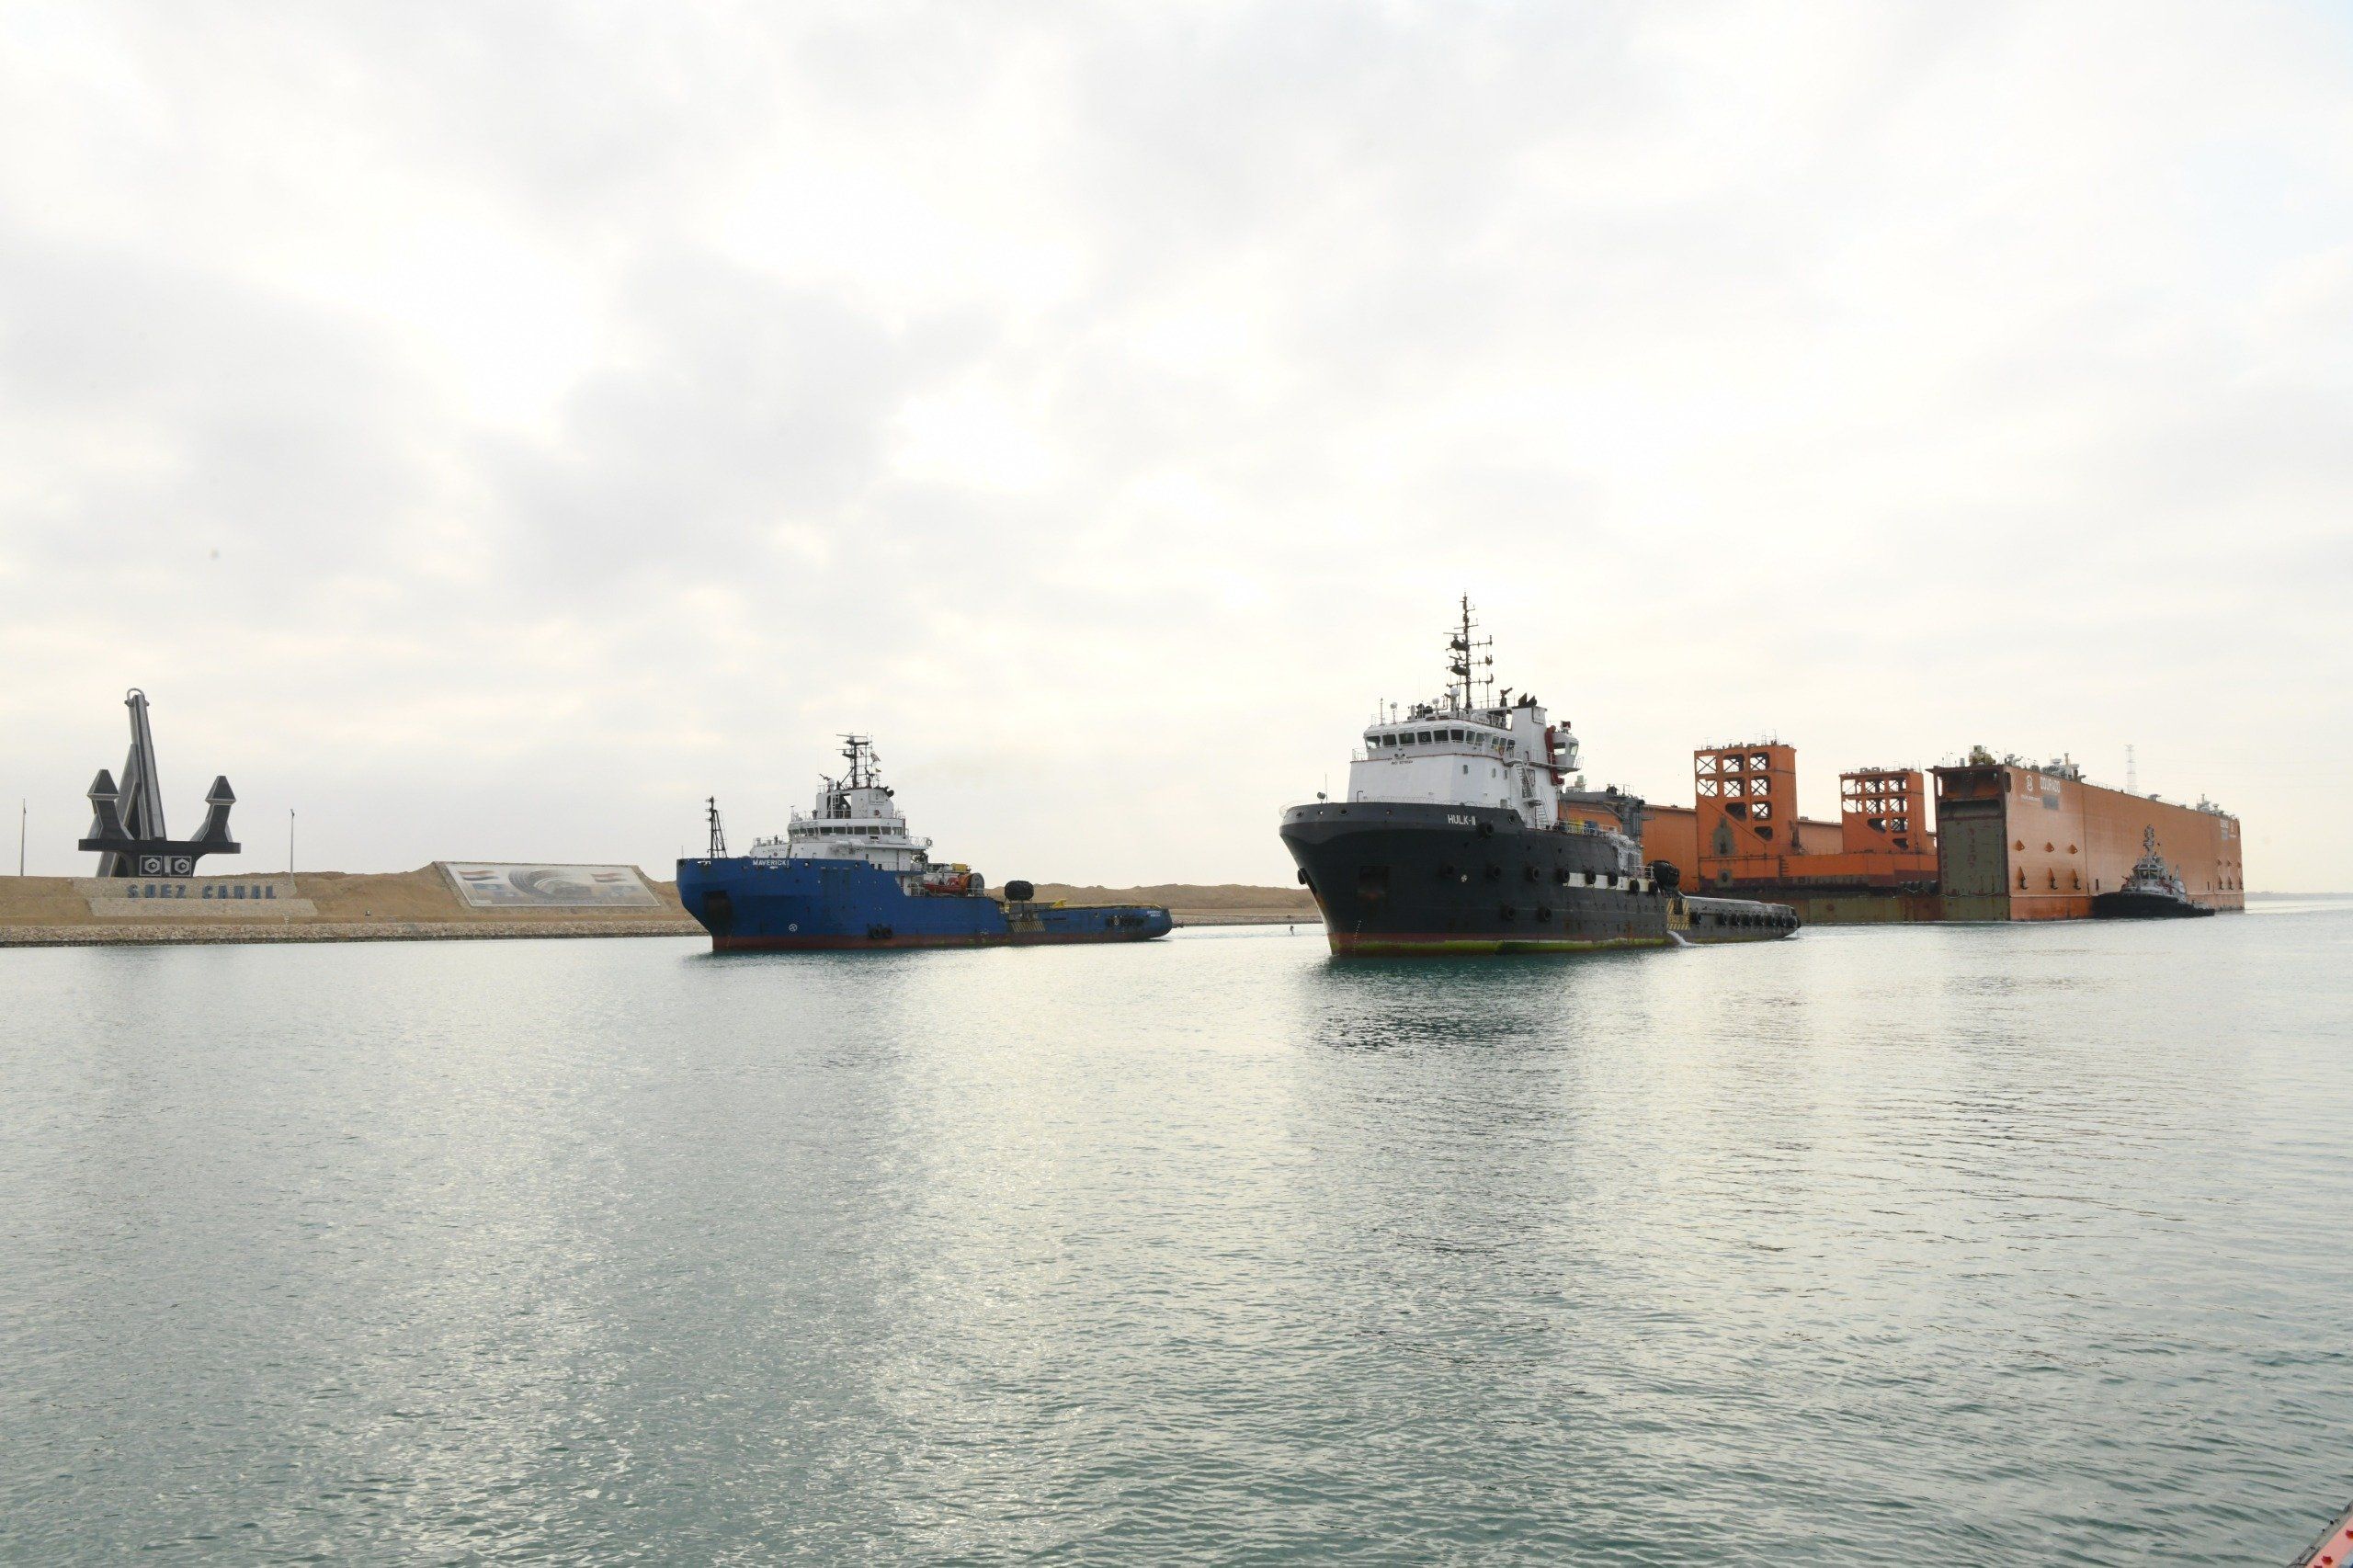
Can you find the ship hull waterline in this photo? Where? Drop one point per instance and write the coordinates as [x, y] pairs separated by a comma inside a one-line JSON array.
[[720, 943]]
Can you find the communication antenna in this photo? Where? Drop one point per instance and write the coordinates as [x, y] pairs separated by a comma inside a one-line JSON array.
[[718, 834], [1464, 660], [2131, 774], [859, 750]]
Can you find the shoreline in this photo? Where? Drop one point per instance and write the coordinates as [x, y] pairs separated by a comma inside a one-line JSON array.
[[420, 931], [320, 931], [422, 905]]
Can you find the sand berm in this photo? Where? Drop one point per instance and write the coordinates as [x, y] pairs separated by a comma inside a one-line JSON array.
[[421, 905]]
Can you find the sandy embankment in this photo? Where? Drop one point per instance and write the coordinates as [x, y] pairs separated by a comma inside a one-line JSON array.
[[420, 905], [313, 906], [1194, 904]]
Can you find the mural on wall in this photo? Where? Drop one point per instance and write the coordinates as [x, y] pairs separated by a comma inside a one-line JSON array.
[[494, 885]]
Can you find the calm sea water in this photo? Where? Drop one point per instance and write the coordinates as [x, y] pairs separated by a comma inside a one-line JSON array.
[[1961, 1245]]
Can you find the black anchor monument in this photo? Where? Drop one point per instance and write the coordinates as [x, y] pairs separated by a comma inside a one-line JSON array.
[[128, 830]]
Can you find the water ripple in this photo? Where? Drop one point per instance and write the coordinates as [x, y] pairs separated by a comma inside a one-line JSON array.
[[1978, 1245]]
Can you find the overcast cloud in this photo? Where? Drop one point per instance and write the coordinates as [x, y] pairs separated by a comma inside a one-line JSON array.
[[491, 430]]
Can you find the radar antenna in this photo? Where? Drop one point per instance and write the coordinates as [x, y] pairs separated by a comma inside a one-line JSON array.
[[1466, 661], [859, 751]]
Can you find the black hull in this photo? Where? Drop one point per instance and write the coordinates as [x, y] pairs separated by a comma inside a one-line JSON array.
[[2144, 907], [1396, 878]]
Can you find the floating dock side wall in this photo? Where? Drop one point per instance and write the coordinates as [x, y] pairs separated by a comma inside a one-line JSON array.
[[2020, 843]]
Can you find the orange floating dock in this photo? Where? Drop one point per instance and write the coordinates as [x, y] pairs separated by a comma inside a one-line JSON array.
[[2334, 1548], [2011, 841]]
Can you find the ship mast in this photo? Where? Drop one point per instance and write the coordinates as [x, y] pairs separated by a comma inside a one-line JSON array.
[[1463, 661], [860, 753], [718, 834]]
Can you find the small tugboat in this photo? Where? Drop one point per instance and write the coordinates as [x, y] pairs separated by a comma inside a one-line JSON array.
[[1457, 837], [2151, 893], [848, 875]]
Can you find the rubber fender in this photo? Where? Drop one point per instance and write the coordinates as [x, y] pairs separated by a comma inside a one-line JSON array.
[[1666, 874], [1021, 892]]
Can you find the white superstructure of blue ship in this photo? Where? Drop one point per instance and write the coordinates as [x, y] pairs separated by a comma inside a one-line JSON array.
[[848, 874]]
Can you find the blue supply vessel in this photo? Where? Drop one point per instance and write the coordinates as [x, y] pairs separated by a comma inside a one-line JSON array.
[[848, 875]]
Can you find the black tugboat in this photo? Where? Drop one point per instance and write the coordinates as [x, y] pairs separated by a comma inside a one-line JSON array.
[[2151, 893], [1456, 837]]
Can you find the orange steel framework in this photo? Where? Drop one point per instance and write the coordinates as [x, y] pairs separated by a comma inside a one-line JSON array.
[[1745, 799], [1883, 832], [1879, 810], [1748, 832]]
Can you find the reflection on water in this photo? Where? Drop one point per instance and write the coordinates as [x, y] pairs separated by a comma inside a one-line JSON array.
[[1969, 1244]]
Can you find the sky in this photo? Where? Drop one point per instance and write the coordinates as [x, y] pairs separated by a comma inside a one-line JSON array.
[[485, 431]]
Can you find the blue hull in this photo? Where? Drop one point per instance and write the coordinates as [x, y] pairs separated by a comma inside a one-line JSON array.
[[803, 906]]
